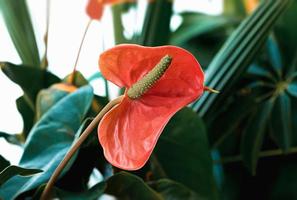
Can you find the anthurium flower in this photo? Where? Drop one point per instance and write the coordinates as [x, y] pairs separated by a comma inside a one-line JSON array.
[[129, 132], [95, 7]]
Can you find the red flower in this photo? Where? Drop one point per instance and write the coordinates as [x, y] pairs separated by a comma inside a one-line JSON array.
[[95, 7], [129, 132]]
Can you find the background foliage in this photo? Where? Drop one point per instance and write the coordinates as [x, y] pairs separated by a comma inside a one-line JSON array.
[[240, 144]]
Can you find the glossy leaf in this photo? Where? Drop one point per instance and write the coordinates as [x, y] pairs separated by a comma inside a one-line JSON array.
[[27, 113], [3, 163], [173, 190], [47, 98], [281, 121], [12, 138], [31, 80], [49, 141], [183, 153], [12, 171], [21, 30], [124, 185], [93, 193], [253, 136]]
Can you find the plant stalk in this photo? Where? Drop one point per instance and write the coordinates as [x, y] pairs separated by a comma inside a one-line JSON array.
[[47, 191]]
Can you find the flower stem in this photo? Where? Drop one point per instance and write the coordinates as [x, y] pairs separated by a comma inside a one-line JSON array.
[[72, 77], [46, 192]]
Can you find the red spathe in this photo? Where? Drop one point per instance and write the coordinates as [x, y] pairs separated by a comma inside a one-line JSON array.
[[129, 132]]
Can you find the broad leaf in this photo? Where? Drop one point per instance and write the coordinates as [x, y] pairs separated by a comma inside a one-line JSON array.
[[91, 194], [173, 190], [18, 23], [195, 25], [27, 113], [31, 80], [12, 138], [12, 171], [3, 163], [183, 153], [49, 141], [124, 185]]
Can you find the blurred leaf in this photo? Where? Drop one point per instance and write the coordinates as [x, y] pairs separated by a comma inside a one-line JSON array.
[[79, 79], [95, 76], [117, 11], [3, 163], [274, 55], [174, 190], [12, 138], [91, 194], [195, 25], [234, 8], [285, 183], [49, 141], [31, 80], [281, 121], [286, 31], [124, 185], [292, 89], [18, 23], [183, 152], [237, 53], [252, 139], [12, 171], [156, 28], [27, 115]]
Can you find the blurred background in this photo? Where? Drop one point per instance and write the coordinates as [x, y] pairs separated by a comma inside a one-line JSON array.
[[240, 144]]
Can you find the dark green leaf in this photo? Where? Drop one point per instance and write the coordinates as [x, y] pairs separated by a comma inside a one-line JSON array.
[[124, 185], [253, 135], [281, 121], [286, 31], [31, 80], [12, 138], [156, 28], [173, 190], [183, 152], [18, 23], [195, 25], [91, 194], [285, 183], [27, 114], [3, 163], [49, 140], [12, 171]]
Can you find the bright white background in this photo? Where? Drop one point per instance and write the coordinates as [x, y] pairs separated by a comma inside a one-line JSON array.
[[67, 23]]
